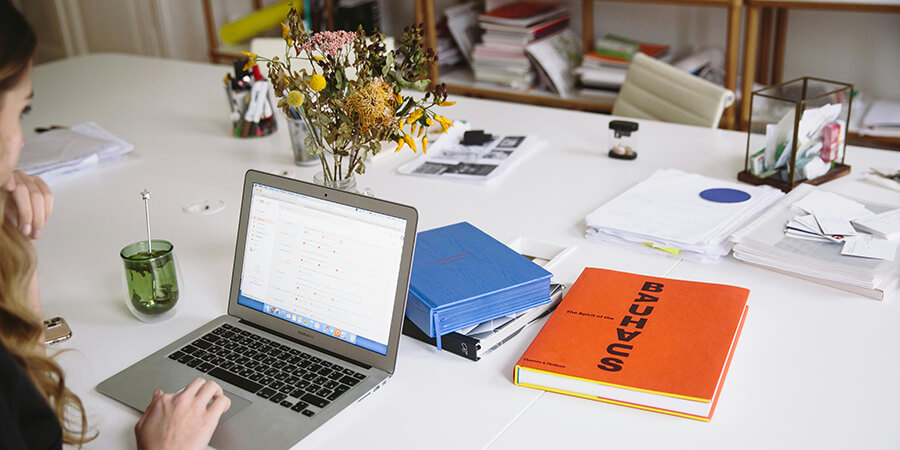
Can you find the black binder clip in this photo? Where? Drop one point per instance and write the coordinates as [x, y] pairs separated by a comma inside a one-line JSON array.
[[476, 137]]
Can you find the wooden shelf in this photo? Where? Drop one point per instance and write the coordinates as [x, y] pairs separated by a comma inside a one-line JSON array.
[[460, 81], [885, 142], [424, 11]]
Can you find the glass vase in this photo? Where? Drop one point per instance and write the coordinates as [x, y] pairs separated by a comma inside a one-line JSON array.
[[347, 184]]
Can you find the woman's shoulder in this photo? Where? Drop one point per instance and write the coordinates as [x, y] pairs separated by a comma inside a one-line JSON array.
[[27, 418]]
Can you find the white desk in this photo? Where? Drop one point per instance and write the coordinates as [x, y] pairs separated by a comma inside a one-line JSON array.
[[815, 368]]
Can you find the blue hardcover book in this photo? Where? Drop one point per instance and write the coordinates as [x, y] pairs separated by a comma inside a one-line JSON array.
[[460, 274]]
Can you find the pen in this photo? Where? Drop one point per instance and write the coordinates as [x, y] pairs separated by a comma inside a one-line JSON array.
[[50, 128]]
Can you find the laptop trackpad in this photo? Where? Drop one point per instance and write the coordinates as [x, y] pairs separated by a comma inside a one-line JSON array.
[[237, 404]]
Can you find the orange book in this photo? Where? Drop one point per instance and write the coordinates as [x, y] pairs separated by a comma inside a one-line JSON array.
[[647, 342]]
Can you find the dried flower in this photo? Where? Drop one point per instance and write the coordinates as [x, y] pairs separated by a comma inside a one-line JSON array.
[[295, 99], [409, 141], [328, 42], [317, 82], [351, 98], [370, 107]]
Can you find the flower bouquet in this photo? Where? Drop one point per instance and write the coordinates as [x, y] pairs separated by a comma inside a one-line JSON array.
[[349, 94]]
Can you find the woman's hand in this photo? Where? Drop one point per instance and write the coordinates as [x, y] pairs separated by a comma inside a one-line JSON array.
[[185, 420], [30, 203]]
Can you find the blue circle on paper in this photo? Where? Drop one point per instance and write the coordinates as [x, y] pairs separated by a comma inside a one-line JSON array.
[[725, 195]]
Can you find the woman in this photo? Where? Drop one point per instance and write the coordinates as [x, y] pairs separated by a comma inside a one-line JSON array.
[[37, 410]]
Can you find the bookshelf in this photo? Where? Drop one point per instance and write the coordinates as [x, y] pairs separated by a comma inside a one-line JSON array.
[[462, 83], [771, 62]]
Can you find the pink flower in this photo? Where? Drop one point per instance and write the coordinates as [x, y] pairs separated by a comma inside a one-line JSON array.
[[328, 42]]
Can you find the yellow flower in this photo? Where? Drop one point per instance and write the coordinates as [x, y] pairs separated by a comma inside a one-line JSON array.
[[250, 63], [317, 82], [285, 31], [429, 121], [319, 58], [412, 129], [249, 55], [295, 99], [424, 143], [409, 141], [446, 103], [400, 144], [399, 98], [421, 130], [415, 116]]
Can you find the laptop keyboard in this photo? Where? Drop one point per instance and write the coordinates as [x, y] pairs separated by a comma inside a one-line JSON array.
[[283, 375]]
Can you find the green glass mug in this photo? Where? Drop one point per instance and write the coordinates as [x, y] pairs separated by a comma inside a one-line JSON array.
[[152, 279]]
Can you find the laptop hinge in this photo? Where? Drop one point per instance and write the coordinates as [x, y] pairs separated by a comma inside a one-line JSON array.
[[305, 344]]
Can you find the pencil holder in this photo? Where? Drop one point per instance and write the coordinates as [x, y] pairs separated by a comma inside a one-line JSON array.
[[250, 99], [797, 133]]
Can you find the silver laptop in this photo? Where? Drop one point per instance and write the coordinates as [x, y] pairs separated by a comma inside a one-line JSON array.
[[317, 299]]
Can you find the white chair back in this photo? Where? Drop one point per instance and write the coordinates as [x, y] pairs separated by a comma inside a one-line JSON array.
[[657, 91]]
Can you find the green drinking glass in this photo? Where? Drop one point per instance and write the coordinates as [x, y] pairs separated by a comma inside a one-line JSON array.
[[152, 279]]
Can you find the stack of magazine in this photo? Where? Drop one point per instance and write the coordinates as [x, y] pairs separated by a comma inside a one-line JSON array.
[[500, 56], [462, 277]]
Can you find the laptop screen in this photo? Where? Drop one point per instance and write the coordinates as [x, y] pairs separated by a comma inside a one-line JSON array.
[[326, 266]]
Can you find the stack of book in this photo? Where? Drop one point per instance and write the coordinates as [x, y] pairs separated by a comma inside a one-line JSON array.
[[447, 50], [462, 277], [603, 69], [500, 56]]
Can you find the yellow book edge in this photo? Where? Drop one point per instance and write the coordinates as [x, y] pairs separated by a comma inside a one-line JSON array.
[[605, 400], [666, 394]]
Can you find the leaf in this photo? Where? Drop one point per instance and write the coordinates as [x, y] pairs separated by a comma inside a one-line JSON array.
[[388, 64]]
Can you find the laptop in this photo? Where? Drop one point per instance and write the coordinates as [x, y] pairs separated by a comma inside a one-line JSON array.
[[317, 300]]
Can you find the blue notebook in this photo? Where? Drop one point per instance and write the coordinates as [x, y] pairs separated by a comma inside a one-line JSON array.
[[461, 275]]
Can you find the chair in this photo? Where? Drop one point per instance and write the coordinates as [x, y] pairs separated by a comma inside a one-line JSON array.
[[657, 91]]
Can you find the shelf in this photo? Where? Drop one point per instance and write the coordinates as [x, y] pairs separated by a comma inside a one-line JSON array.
[[886, 142], [461, 81]]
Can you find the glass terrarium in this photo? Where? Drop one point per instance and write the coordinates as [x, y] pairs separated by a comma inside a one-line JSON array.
[[797, 133]]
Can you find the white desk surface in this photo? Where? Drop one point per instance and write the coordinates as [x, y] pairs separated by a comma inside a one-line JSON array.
[[815, 367]]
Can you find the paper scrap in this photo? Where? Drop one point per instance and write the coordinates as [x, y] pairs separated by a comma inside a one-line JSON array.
[[830, 203], [867, 246], [834, 224]]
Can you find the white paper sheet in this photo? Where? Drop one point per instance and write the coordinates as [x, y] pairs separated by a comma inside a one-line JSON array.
[[867, 246]]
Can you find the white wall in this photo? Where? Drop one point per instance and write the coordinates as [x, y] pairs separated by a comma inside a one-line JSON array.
[[858, 48]]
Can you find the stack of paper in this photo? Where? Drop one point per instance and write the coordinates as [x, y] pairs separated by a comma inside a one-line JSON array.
[[462, 277], [680, 213], [834, 219], [59, 152], [855, 262]]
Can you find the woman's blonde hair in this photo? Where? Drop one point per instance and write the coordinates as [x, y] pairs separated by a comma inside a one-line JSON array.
[[20, 328]]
